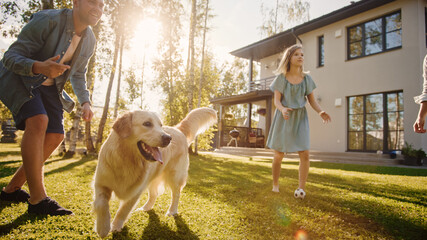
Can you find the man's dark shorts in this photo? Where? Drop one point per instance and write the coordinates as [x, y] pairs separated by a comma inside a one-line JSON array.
[[45, 101]]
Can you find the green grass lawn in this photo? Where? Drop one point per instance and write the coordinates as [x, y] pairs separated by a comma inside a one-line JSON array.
[[231, 198]]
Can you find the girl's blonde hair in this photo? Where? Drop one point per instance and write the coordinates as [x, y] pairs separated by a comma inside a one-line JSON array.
[[285, 63]]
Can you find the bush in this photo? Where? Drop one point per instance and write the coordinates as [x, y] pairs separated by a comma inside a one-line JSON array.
[[410, 151]]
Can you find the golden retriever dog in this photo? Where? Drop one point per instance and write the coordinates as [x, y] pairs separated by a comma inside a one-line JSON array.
[[138, 154]]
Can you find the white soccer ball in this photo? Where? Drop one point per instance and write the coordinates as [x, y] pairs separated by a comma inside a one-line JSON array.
[[299, 193]]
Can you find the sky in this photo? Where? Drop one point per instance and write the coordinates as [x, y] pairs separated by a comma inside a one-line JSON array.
[[237, 21], [234, 26]]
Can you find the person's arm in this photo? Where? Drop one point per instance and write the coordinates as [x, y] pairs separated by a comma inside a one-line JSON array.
[[419, 126], [316, 107], [79, 84], [279, 106], [19, 57]]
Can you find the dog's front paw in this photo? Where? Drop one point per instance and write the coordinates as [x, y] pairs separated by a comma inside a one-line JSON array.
[[102, 229], [147, 207], [171, 213], [117, 226]]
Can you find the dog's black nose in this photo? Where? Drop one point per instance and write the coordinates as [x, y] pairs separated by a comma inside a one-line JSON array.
[[166, 139]]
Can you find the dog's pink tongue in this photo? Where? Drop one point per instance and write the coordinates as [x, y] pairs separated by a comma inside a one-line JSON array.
[[156, 154]]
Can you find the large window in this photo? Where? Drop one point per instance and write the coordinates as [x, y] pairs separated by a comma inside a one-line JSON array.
[[321, 43], [375, 122], [375, 36]]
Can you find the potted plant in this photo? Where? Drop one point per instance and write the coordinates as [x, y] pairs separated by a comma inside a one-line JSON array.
[[412, 156]]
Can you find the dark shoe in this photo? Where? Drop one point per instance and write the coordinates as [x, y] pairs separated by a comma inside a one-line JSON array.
[[17, 196], [48, 206]]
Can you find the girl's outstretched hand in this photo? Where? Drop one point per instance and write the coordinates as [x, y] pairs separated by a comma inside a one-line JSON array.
[[326, 118], [285, 112]]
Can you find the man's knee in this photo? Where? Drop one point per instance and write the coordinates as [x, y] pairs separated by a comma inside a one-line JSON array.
[[37, 123], [55, 137]]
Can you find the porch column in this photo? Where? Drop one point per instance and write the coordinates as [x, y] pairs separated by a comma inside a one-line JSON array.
[[220, 127], [251, 66], [249, 117]]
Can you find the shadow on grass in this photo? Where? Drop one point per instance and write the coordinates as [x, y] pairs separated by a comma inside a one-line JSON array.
[[6, 171], [247, 182], [4, 204], [157, 230], [398, 171], [10, 153], [24, 219], [70, 166]]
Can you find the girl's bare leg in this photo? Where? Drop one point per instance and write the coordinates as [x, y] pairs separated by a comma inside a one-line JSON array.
[[304, 166], [277, 165]]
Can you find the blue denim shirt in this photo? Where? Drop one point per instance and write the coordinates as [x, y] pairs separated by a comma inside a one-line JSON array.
[[48, 34]]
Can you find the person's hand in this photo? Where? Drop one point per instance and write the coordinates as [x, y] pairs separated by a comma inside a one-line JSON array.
[[326, 118], [419, 125], [87, 113], [285, 112], [50, 68]]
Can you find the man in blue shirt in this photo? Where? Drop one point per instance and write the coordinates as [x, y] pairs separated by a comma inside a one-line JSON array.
[[53, 47]]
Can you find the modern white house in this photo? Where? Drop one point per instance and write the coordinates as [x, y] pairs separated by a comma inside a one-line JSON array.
[[366, 59]]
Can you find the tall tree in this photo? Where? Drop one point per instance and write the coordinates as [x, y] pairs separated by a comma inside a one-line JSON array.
[[90, 78], [202, 67], [284, 14], [103, 120], [121, 13], [169, 63], [74, 131], [191, 59], [116, 105]]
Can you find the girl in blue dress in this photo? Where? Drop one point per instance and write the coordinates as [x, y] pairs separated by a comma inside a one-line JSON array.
[[290, 130]]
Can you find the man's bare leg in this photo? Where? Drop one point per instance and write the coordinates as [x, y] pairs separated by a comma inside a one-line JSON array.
[[51, 142], [36, 147]]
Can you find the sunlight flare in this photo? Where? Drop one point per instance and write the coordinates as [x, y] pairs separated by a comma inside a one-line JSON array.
[[146, 38]]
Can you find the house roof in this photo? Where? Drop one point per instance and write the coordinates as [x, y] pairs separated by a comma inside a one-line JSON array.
[[277, 43]]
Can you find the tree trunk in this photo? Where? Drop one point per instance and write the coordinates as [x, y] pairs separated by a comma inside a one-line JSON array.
[[202, 67], [116, 106], [90, 81], [62, 148], [191, 56], [74, 132], [103, 120], [47, 4]]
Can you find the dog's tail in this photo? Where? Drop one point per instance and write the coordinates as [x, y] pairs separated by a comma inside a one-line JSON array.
[[197, 121]]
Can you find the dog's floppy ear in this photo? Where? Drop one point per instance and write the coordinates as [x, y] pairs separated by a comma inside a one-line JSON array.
[[123, 125]]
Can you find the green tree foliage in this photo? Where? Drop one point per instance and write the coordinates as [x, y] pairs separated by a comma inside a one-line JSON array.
[[14, 14], [233, 78], [283, 15], [168, 65]]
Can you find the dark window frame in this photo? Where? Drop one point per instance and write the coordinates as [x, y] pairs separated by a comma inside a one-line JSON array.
[[425, 19], [383, 36], [321, 54], [364, 114]]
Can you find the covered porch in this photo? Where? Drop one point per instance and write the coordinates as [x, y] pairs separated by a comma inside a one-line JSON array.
[[248, 114]]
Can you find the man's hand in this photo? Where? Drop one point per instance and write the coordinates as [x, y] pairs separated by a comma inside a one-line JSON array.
[[87, 113], [50, 68]]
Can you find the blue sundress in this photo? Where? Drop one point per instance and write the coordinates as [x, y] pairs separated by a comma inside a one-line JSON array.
[[291, 135]]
